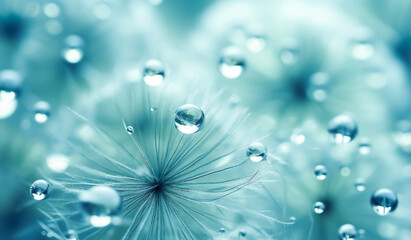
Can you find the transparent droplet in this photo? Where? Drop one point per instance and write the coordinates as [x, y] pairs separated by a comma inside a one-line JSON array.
[[297, 136], [319, 207], [222, 230], [384, 201], [153, 109], [257, 152], [345, 171], [71, 235], [342, 128], [40, 190], [58, 162], [100, 204], [232, 62], [10, 90], [153, 72], [256, 43], [189, 119], [73, 51], [130, 130], [242, 233], [320, 172], [364, 146], [362, 49], [360, 185], [402, 135], [41, 112], [347, 232], [318, 86], [290, 51], [293, 219]]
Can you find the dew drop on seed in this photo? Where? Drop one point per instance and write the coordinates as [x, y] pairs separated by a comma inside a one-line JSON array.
[[100, 204], [10, 89], [242, 233], [153, 72], [41, 112], [130, 130], [319, 207], [189, 119], [222, 230], [342, 129], [320, 172], [364, 146], [73, 51], [347, 232], [257, 152], [290, 51], [384, 201], [360, 185], [71, 235], [232, 62], [40, 190]]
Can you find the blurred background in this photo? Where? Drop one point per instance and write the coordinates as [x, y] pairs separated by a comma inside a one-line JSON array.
[[294, 64]]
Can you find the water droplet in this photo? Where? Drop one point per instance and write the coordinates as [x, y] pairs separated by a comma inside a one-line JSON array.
[[293, 219], [232, 62], [256, 43], [41, 112], [319, 207], [10, 90], [342, 128], [364, 146], [257, 152], [384, 201], [318, 86], [153, 109], [402, 135], [242, 233], [130, 130], [189, 119], [361, 233], [347, 232], [153, 72], [362, 49], [297, 136], [71, 235], [360, 184], [40, 190], [51, 10], [290, 51], [58, 162], [100, 204], [345, 171], [73, 51], [222, 230], [320, 171]]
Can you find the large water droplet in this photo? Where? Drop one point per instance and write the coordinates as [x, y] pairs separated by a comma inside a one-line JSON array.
[[189, 119], [41, 112], [347, 232], [100, 204], [71, 235], [384, 201], [73, 51], [290, 51], [320, 172], [257, 152], [153, 72], [10, 90], [232, 62], [364, 146], [360, 185], [342, 128], [58, 162], [318, 86], [319, 207], [40, 190]]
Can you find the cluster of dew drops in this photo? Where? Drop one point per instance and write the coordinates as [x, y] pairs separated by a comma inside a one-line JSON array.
[[188, 119]]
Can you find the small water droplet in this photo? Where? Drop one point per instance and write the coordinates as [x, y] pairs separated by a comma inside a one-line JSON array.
[[257, 152], [153, 109], [242, 233], [347, 232], [320, 171], [256, 43], [41, 112], [130, 130], [402, 135], [342, 129], [361, 233], [189, 119], [10, 90], [345, 171], [384, 201], [58, 162], [297, 136], [71, 235], [319, 207], [153, 72], [318, 86], [364, 146], [222, 230], [362, 49], [290, 51], [293, 219], [51, 10], [232, 62], [40, 190], [73, 51], [360, 185], [99, 205]]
